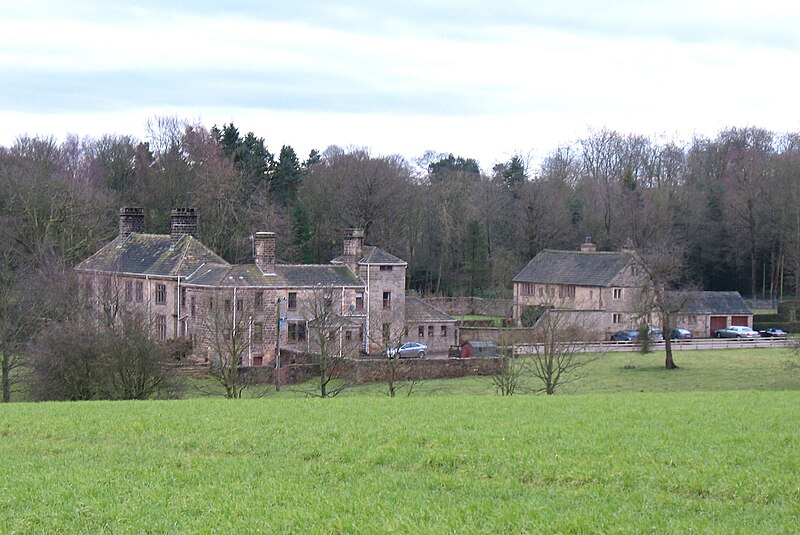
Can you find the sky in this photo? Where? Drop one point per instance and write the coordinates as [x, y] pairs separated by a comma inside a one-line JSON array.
[[478, 79]]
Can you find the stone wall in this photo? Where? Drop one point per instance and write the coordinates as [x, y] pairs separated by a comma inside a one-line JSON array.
[[375, 370], [463, 306]]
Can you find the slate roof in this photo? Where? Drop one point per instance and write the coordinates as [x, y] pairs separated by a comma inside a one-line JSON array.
[[418, 311], [286, 276], [374, 255], [574, 268], [150, 254], [724, 303]]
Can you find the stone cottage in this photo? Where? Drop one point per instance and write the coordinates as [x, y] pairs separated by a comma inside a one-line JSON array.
[[187, 290]]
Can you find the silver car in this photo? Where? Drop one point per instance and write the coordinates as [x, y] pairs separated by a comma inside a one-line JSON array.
[[408, 350], [737, 331]]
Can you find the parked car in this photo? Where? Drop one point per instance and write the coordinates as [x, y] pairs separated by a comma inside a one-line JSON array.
[[632, 335], [680, 333], [737, 331], [408, 350], [625, 336], [773, 332]]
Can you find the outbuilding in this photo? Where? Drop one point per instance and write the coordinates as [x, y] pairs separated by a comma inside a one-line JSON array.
[[478, 349]]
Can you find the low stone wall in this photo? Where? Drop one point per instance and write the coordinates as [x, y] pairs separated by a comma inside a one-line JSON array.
[[463, 306], [370, 370], [375, 370]]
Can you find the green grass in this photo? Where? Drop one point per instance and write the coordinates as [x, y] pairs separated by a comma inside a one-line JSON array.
[[723, 462], [632, 372]]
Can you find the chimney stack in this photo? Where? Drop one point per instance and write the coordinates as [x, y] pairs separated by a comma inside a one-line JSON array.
[[628, 246], [265, 252], [353, 247], [183, 221], [588, 246], [131, 219]]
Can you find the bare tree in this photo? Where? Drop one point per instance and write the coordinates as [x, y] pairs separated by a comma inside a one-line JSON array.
[[663, 269], [511, 372], [396, 381], [224, 339], [327, 328], [559, 359]]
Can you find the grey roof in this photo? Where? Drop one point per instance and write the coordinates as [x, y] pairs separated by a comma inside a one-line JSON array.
[[285, 276], [574, 268], [151, 254], [713, 303], [373, 255], [418, 311]]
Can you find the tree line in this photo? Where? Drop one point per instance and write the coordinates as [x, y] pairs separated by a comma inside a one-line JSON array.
[[731, 201]]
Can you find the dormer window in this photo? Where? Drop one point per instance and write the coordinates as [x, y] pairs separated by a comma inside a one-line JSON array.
[[634, 271]]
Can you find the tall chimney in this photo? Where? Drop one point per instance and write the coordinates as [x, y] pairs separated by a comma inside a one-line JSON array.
[[628, 246], [183, 221], [265, 252], [131, 219], [588, 246], [353, 247]]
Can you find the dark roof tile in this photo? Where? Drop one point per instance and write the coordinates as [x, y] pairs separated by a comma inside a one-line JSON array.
[[574, 268]]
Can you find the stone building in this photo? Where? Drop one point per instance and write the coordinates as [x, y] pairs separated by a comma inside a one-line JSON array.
[[187, 290], [603, 286], [603, 293]]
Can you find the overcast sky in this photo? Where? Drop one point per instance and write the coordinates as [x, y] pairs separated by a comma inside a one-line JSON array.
[[476, 78]]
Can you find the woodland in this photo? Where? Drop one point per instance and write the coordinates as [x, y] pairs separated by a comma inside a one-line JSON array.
[[732, 202]]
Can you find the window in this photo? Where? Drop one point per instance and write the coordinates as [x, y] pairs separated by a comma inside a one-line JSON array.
[[634, 271], [296, 331], [239, 304], [161, 294], [107, 288], [386, 268], [327, 297], [566, 291], [258, 300], [139, 291], [211, 303], [361, 333], [430, 331], [292, 301], [616, 318], [227, 305], [541, 291], [128, 291], [192, 305], [226, 333], [387, 299], [617, 293], [421, 331], [183, 297], [348, 335], [161, 327], [359, 300], [258, 332], [444, 330]]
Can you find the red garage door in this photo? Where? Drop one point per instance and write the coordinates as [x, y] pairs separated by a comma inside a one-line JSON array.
[[739, 320], [716, 323]]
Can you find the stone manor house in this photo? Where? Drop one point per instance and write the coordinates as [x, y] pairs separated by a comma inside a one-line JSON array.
[[186, 290]]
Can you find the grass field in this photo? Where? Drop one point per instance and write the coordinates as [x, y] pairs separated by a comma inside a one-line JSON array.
[[647, 463], [713, 447]]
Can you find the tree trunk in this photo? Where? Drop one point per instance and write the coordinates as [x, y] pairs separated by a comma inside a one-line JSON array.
[[6, 378], [669, 363]]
